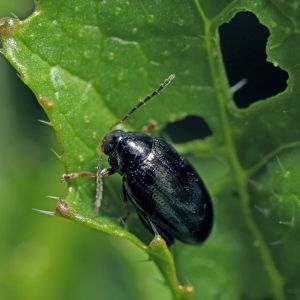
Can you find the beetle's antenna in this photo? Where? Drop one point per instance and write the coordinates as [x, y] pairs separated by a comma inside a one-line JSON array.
[[166, 82]]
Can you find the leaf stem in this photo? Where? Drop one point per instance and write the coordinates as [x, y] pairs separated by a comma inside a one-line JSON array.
[[157, 249]]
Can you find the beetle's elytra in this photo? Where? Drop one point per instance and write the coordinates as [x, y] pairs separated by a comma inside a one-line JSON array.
[[168, 194]]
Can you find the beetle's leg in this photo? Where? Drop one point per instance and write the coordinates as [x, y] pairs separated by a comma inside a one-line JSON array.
[[126, 205], [150, 127], [71, 176], [99, 191], [155, 228], [99, 175], [124, 194]]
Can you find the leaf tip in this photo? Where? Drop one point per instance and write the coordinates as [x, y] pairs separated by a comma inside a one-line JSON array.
[[6, 26]]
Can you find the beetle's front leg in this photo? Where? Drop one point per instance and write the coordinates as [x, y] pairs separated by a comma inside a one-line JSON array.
[[99, 175], [72, 176]]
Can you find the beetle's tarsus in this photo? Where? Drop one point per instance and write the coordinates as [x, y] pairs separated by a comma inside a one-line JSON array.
[[67, 177], [122, 220]]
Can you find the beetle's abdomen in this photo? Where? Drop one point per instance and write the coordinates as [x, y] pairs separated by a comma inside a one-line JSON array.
[[167, 190]]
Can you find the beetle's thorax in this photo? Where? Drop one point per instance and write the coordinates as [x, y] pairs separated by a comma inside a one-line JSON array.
[[126, 149]]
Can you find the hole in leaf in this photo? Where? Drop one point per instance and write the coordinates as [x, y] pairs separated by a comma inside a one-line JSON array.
[[188, 129], [243, 43]]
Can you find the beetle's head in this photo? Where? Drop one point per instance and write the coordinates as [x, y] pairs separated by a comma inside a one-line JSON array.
[[110, 141], [125, 149]]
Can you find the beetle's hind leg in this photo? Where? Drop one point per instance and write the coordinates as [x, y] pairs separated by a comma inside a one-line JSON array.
[[154, 228], [125, 197]]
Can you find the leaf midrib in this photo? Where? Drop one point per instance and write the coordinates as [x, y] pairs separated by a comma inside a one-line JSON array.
[[223, 95]]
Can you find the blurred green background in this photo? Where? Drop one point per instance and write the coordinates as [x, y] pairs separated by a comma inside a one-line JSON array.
[[48, 257]]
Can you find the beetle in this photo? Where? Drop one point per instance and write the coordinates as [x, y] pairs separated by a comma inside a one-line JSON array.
[[169, 196]]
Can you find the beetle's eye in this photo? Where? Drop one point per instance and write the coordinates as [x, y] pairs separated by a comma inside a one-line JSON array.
[[110, 141], [107, 147]]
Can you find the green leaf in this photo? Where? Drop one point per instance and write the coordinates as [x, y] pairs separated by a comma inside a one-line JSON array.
[[89, 63]]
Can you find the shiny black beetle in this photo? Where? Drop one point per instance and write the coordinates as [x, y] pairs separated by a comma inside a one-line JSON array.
[[165, 189]]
